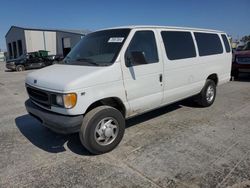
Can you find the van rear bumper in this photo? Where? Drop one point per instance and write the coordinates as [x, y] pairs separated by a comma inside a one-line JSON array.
[[56, 122]]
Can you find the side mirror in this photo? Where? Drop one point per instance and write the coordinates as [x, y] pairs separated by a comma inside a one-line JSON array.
[[135, 58]]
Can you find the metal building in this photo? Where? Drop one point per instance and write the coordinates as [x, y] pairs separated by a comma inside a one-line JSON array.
[[20, 40]]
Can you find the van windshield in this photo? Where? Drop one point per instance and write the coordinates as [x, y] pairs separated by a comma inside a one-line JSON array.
[[98, 49]]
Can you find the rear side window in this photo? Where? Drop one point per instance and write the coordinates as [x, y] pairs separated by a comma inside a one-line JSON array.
[[208, 43], [226, 43], [178, 44]]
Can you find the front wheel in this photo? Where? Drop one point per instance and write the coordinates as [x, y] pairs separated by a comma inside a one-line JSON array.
[[207, 95], [20, 68], [102, 129]]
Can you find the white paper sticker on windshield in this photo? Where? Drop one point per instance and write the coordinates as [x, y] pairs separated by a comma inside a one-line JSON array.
[[116, 39]]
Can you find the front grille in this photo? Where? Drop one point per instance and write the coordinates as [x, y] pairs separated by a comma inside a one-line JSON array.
[[243, 60], [39, 96]]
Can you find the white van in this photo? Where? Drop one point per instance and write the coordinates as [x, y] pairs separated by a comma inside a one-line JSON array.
[[116, 73]]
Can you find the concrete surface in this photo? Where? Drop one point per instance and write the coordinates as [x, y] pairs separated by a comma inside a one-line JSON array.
[[180, 145]]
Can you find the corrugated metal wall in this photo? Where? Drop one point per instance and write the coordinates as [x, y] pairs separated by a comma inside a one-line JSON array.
[[15, 35], [40, 40], [20, 41]]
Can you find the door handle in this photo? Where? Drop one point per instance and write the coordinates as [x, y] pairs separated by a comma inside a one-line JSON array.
[[160, 77]]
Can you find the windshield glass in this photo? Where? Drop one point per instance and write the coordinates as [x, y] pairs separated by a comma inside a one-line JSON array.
[[98, 49], [247, 46], [22, 56]]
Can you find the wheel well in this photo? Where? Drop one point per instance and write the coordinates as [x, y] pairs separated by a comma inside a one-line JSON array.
[[112, 101], [213, 77]]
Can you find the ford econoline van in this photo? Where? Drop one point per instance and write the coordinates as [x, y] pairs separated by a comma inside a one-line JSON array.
[[117, 73]]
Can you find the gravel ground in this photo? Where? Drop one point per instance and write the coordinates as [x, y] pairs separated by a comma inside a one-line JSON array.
[[180, 145]]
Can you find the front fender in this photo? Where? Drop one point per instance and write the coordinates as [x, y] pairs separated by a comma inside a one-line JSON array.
[[90, 95]]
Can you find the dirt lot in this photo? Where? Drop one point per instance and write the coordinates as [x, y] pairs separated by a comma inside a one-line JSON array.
[[180, 145]]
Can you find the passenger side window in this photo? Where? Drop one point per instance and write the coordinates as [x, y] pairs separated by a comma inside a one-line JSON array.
[[208, 44], [142, 49], [226, 43], [178, 44]]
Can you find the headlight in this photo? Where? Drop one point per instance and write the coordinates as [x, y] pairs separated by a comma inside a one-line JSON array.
[[59, 100], [69, 100], [66, 100]]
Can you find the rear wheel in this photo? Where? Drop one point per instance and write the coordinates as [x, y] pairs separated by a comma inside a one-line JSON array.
[[102, 129], [20, 68], [207, 95]]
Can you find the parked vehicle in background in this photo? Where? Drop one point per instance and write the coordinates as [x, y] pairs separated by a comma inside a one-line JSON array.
[[56, 58], [114, 74], [241, 60], [239, 48], [2, 56], [32, 60]]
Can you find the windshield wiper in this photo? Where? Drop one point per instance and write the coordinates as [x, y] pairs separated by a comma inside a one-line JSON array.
[[84, 59], [81, 61], [88, 60]]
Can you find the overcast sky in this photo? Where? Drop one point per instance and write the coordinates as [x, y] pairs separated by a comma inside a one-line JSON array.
[[231, 16]]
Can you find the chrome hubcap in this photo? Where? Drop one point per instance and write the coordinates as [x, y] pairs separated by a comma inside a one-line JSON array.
[[106, 131], [210, 94]]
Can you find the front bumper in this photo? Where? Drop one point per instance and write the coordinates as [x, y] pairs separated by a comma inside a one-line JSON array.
[[57, 122], [237, 66], [10, 66]]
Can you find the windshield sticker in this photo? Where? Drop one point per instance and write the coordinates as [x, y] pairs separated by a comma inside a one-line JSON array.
[[116, 39]]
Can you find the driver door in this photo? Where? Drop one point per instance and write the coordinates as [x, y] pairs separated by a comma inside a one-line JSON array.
[[31, 62], [143, 72]]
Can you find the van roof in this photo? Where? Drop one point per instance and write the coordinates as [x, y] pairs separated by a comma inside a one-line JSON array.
[[164, 27]]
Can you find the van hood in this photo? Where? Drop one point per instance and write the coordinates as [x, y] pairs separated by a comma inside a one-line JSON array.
[[65, 78]]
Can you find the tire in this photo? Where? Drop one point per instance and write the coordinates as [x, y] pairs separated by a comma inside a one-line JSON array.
[[207, 95], [235, 74], [20, 68], [97, 138]]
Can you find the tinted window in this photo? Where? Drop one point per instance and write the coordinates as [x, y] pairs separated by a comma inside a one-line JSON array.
[[144, 42], [208, 44], [178, 44], [226, 43], [247, 46]]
